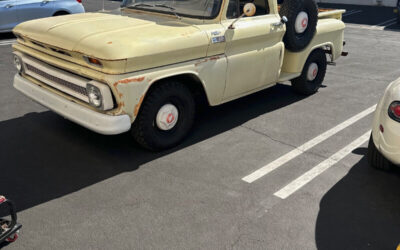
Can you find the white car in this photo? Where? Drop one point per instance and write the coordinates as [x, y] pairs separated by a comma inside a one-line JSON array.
[[384, 144]]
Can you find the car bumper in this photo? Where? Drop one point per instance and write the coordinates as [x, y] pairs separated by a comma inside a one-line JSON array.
[[88, 118]]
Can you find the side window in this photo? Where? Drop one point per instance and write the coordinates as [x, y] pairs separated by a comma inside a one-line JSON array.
[[235, 7]]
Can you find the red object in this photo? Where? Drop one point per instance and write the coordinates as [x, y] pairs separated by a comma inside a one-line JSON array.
[[381, 128], [79, 1], [395, 108], [2, 199], [12, 238]]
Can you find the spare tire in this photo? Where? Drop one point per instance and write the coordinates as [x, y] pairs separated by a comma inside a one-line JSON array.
[[302, 18]]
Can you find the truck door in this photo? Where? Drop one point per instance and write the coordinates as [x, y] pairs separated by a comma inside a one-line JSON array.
[[8, 15], [254, 49]]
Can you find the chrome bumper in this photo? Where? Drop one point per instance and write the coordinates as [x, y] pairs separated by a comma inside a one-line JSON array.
[[97, 122]]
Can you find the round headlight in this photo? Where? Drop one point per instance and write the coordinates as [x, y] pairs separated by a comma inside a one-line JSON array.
[[18, 63], [94, 95]]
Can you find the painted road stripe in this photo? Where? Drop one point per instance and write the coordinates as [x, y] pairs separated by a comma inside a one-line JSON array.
[[386, 22], [306, 146], [352, 13], [320, 168], [7, 42]]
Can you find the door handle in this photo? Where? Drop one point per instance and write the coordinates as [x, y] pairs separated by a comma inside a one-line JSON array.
[[8, 6]]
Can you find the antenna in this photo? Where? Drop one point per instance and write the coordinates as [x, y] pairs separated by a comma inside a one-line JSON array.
[[103, 5]]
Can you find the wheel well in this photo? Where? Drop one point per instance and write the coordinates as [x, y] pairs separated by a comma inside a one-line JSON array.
[[192, 82], [60, 13]]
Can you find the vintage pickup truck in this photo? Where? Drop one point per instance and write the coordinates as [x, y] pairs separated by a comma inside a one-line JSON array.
[[144, 67]]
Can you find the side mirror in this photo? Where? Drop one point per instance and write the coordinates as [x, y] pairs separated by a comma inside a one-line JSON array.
[[249, 9]]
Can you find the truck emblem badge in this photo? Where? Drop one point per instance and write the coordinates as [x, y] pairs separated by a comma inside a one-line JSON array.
[[218, 39]]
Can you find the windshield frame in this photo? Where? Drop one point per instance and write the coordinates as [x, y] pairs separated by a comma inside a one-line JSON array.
[[218, 12]]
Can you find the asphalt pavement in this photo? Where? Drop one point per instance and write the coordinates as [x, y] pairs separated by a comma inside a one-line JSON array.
[[79, 190]]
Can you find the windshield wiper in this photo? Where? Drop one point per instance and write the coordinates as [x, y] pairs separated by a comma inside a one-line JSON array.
[[168, 7]]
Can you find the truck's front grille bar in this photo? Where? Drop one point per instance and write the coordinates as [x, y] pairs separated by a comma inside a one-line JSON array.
[[62, 80], [76, 88]]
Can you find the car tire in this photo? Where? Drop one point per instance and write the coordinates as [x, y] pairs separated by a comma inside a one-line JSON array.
[[166, 116], [61, 13], [302, 18], [313, 74], [375, 158]]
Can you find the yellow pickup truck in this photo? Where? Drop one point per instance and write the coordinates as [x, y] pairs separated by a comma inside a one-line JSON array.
[[144, 67]]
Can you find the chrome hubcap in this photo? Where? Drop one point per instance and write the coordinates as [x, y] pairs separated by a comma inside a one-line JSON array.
[[167, 117], [312, 72]]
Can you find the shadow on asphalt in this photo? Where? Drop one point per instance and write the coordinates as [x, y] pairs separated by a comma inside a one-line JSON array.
[[361, 211], [43, 156], [367, 15], [6, 36]]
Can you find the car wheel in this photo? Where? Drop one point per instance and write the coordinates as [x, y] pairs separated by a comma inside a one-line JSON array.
[[302, 18], [375, 158], [60, 13], [166, 116], [313, 74]]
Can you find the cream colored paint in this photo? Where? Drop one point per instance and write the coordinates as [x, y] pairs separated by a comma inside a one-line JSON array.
[[137, 50], [388, 142]]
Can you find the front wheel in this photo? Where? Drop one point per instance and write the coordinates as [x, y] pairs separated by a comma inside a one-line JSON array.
[[166, 116], [313, 74]]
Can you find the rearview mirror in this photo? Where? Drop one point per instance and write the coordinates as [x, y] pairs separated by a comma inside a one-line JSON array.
[[249, 9]]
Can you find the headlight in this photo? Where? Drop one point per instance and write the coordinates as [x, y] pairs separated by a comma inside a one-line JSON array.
[[94, 94], [18, 63], [394, 111]]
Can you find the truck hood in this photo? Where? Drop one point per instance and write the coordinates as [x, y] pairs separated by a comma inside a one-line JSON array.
[[149, 43]]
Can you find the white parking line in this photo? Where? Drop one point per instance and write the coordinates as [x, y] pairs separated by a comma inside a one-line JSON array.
[[7, 42], [320, 168], [306, 146], [386, 22], [352, 12]]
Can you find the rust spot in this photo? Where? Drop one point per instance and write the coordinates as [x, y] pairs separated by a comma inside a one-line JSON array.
[[120, 95], [128, 80], [137, 106], [214, 58], [200, 62], [122, 104], [109, 43]]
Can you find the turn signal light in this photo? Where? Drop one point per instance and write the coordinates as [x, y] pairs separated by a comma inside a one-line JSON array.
[[394, 111], [93, 61]]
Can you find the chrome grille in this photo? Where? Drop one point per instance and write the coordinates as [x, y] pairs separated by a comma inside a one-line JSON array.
[[71, 86]]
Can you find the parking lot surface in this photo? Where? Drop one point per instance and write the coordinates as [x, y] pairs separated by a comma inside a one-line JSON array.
[[274, 170]]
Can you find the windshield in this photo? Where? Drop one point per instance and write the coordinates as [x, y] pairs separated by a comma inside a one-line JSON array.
[[206, 9]]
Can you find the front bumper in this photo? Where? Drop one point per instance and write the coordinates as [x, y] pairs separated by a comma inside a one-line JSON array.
[[95, 121]]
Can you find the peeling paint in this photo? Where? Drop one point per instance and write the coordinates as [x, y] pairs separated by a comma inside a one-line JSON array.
[[137, 106], [128, 80]]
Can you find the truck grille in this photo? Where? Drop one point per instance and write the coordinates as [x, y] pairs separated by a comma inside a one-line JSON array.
[[73, 87], [62, 80]]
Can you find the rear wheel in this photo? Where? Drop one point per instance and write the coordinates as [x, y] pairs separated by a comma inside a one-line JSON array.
[[375, 158], [166, 116], [313, 74], [60, 13]]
